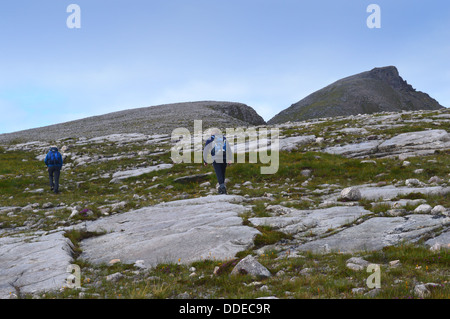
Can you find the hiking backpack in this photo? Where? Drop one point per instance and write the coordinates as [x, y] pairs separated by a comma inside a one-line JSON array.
[[220, 145], [54, 158]]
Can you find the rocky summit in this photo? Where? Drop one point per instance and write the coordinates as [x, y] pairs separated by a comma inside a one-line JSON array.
[[378, 90], [350, 191]]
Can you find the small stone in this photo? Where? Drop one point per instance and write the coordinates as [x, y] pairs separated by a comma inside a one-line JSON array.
[[305, 271], [306, 172], [264, 288], [438, 209], [37, 191], [73, 214], [358, 261], [395, 263], [350, 194], [114, 277], [421, 291], [358, 291], [114, 261], [139, 264], [395, 212], [435, 179], [412, 182], [355, 267], [47, 205], [423, 209], [373, 292], [280, 273]]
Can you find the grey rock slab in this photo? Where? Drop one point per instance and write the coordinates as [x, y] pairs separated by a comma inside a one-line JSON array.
[[292, 143], [354, 150], [416, 140], [405, 144], [34, 263], [443, 240], [262, 143], [376, 233], [389, 192], [192, 178], [137, 172], [184, 230], [304, 222]]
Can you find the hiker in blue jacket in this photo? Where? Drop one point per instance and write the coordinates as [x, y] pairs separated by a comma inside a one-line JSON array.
[[54, 162], [220, 151]]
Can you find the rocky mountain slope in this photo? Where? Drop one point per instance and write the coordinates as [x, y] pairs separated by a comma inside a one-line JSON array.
[[350, 191], [378, 90], [160, 119]]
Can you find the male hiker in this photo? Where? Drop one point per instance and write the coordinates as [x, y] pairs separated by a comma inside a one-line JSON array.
[[221, 154], [54, 162]]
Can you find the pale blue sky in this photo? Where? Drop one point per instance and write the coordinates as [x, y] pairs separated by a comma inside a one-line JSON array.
[[268, 54]]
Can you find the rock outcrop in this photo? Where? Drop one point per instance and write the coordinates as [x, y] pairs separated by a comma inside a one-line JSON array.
[[160, 119], [179, 231]]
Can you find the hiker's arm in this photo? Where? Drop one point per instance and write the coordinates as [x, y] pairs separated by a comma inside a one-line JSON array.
[[206, 151]]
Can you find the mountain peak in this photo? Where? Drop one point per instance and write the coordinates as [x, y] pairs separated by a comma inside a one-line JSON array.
[[380, 89]]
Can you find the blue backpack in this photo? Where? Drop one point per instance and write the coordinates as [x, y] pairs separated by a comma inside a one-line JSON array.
[[220, 144], [54, 158]]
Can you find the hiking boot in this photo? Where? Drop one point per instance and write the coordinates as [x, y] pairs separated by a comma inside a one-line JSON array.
[[222, 190]]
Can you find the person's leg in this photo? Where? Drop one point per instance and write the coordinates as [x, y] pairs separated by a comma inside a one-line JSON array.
[[218, 168], [219, 173], [50, 177], [224, 169], [57, 174]]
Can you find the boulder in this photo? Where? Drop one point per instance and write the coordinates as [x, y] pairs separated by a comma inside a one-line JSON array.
[[249, 265], [423, 209], [350, 194]]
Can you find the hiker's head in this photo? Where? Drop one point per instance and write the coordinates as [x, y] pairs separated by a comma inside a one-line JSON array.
[[54, 148], [215, 131]]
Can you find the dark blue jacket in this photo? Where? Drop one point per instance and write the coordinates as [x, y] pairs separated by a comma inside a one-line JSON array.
[[58, 162]]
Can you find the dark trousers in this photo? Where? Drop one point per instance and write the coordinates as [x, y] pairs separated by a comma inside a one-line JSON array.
[[53, 174], [220, 169]]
